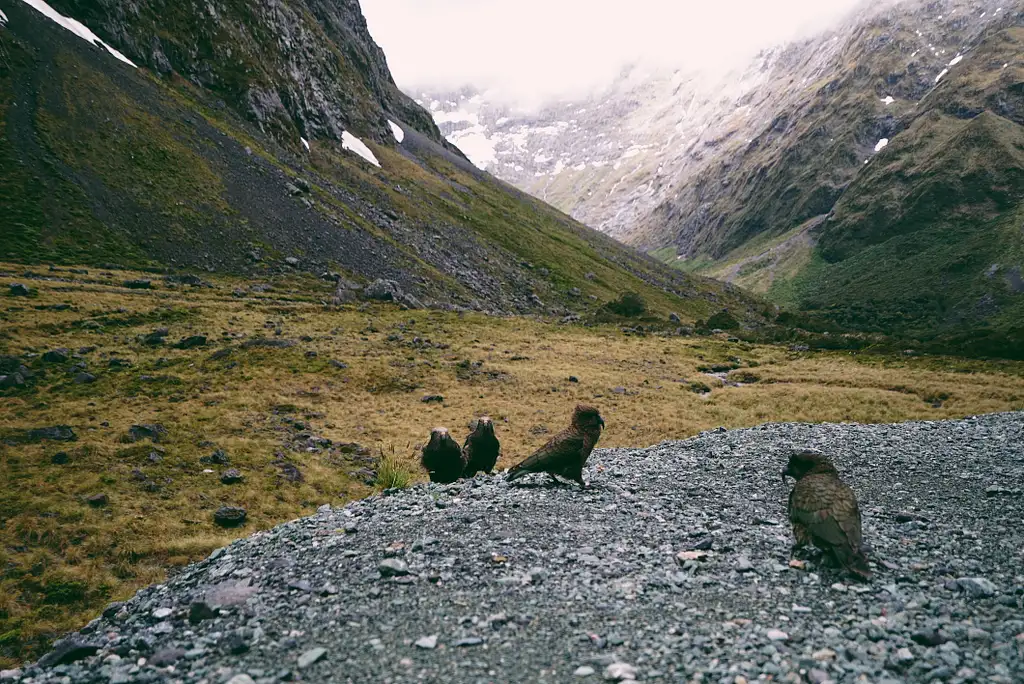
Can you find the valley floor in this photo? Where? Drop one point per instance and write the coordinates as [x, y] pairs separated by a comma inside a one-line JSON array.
[[302, 398]]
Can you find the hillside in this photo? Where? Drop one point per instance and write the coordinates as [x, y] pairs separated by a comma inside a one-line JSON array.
[[675, 565], [736, 177], [261, 139], [314, 403]]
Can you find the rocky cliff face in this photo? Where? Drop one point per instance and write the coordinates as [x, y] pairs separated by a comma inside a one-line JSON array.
[[820, 158], [267, 137], [304, 68]]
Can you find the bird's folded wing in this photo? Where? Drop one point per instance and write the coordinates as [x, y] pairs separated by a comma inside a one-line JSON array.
[[559, 449], [815, 508]]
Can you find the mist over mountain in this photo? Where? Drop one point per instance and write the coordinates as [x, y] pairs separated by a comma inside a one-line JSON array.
[[741, 175]]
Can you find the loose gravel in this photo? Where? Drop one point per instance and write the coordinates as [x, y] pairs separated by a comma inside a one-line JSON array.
[[674, 566]]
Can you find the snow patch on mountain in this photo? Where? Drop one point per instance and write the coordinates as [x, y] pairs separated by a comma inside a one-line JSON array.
[[355, 145], [75, 26], [397, 131]]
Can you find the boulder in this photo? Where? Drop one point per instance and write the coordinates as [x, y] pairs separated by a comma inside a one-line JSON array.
[[151, 431], [389, 291], [57, 355], [20, 290], [138, 284], [191, 342], [232, 476], [97, 500], [229, 516]]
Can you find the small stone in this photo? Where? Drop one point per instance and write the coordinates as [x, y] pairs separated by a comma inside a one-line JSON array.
[[392, 567], [683, 556], [232, 476], [241, 679], [84, 379], [817, 676], [620, 672], [292, 261], [583, 671], [6, 675], [433, 399], [199, 611], [97, 500], [68, 651], [468, 641], [427, 642], [977, 587], [162, 613], [340, 365], [824, 654], [167, 656], [236, 643], [139, 284], [928, 638], [776, 635], [60, 458], [743, 564], [313, 655], [975, 634], [904, 656]]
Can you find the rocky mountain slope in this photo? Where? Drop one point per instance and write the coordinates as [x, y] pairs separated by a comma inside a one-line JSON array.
[[265, 137], [903, 115], [674, 565]]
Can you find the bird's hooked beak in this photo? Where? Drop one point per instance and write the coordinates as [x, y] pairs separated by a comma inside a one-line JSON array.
[[601, 422], [785, 474]]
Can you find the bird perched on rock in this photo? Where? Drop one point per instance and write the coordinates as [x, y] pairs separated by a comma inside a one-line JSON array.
[[480, 452], [823, 511], [566, 452], [442, 457]]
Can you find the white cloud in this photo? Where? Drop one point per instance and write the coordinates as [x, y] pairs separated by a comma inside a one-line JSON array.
[[537, 49]]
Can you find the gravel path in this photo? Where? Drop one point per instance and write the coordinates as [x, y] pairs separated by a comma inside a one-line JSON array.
[[485, 582]]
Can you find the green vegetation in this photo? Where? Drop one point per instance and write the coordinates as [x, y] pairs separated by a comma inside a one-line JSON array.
[[355, 376], [629, 305]]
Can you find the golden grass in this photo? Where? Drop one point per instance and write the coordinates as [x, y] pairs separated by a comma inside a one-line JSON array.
[[63, 560]]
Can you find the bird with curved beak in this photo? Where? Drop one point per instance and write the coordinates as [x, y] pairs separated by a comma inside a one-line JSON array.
[[441, 457], [823, 511], [481, 450], [565, 454]]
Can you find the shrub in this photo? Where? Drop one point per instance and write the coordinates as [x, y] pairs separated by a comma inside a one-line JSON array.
[[629, 304]]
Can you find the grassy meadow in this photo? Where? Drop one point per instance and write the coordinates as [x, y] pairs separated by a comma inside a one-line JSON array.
[[355, 375]]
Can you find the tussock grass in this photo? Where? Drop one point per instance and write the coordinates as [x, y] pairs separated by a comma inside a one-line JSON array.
[[393, 472], [62, 560]]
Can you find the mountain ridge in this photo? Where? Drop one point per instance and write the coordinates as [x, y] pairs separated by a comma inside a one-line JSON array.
[[105, 163], [756, 183]]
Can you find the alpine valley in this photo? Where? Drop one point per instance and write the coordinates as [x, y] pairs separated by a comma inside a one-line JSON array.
[[867, 178]]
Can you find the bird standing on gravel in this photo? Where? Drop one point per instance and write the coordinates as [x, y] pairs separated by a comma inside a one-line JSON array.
[[480, 452], [442, 458], [823, 511], [566, 452]]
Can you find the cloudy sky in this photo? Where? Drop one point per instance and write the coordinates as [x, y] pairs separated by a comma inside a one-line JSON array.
[[542, 48]]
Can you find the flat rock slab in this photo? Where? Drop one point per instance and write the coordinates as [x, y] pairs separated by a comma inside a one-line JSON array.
[[536, 583]]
